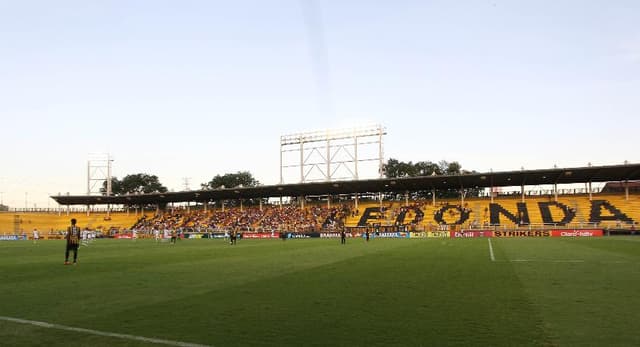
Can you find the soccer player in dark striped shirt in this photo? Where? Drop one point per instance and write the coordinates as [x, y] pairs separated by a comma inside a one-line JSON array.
[[73, 242]]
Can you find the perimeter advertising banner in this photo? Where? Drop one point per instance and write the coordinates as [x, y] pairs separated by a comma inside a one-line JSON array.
[[523, 233], [261, 235], [396, 235], [337, 235], [12, 237], [470, 233], [438, 234], [428, 234], [577, 233], [302, 235]]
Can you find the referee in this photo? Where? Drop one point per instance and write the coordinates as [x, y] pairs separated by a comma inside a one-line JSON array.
[[73, 241]]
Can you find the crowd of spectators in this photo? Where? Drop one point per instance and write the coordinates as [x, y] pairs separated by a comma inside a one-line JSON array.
[[251, 219]]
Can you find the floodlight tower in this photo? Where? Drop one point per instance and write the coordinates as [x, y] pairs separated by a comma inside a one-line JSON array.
[[324, 153], [98, 172]]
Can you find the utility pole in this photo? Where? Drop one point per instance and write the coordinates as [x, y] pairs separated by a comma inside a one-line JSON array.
[[186, 181]]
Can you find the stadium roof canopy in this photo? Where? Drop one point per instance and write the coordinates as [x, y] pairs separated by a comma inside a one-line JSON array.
[[617, 173]]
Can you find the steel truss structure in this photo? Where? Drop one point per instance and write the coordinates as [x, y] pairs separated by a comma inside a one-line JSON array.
[[99, 171], [332, 154]]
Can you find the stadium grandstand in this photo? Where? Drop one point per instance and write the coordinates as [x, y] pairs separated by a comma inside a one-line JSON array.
[[433, 203]]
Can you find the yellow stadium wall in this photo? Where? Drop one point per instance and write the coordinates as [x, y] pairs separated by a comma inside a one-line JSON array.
[[480, 210], [47, 222]]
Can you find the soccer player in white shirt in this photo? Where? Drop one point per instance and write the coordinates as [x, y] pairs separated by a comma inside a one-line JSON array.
[[36, 235], [166, 234], [85, 237]]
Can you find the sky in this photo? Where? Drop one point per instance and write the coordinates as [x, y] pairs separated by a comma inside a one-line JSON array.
[[198, 88]]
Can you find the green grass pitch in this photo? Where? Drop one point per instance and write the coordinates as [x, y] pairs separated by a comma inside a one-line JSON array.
[[423, 292]]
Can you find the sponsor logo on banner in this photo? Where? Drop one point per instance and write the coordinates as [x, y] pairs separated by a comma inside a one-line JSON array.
[[337, 235], [417, 235], [474, 233], [10, 237], [523, 233], [577, 233], [123, 236], [260, 235], [194, 236], [438, 234], [330, 235], [395, 235], [297, 236]]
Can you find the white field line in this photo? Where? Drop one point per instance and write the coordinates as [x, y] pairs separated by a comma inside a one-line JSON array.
[[491, 255], [547, 261], [567, 261], [101, 333]]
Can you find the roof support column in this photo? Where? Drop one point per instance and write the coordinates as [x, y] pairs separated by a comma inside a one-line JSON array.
[[157, 209], [433, 196], [301, 162], [302, 202], [88, 210], [108, 210], [260, 204], [356, 201], [555, 192], [406, 198], [590, 192], [626, 190], [206, 203], [522, 192], [241, 207], [329, 201], [222, 206], [67, 210]]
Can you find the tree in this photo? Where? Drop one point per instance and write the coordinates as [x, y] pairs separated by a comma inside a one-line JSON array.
[[427, 168], [452, 168], [395, 168], [140, 183], [232, 180]]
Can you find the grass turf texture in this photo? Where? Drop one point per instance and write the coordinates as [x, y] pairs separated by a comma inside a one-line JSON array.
[[430, 292]]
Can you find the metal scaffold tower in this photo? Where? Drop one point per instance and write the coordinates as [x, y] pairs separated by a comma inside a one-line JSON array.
[[98, 172], [332, 154]]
